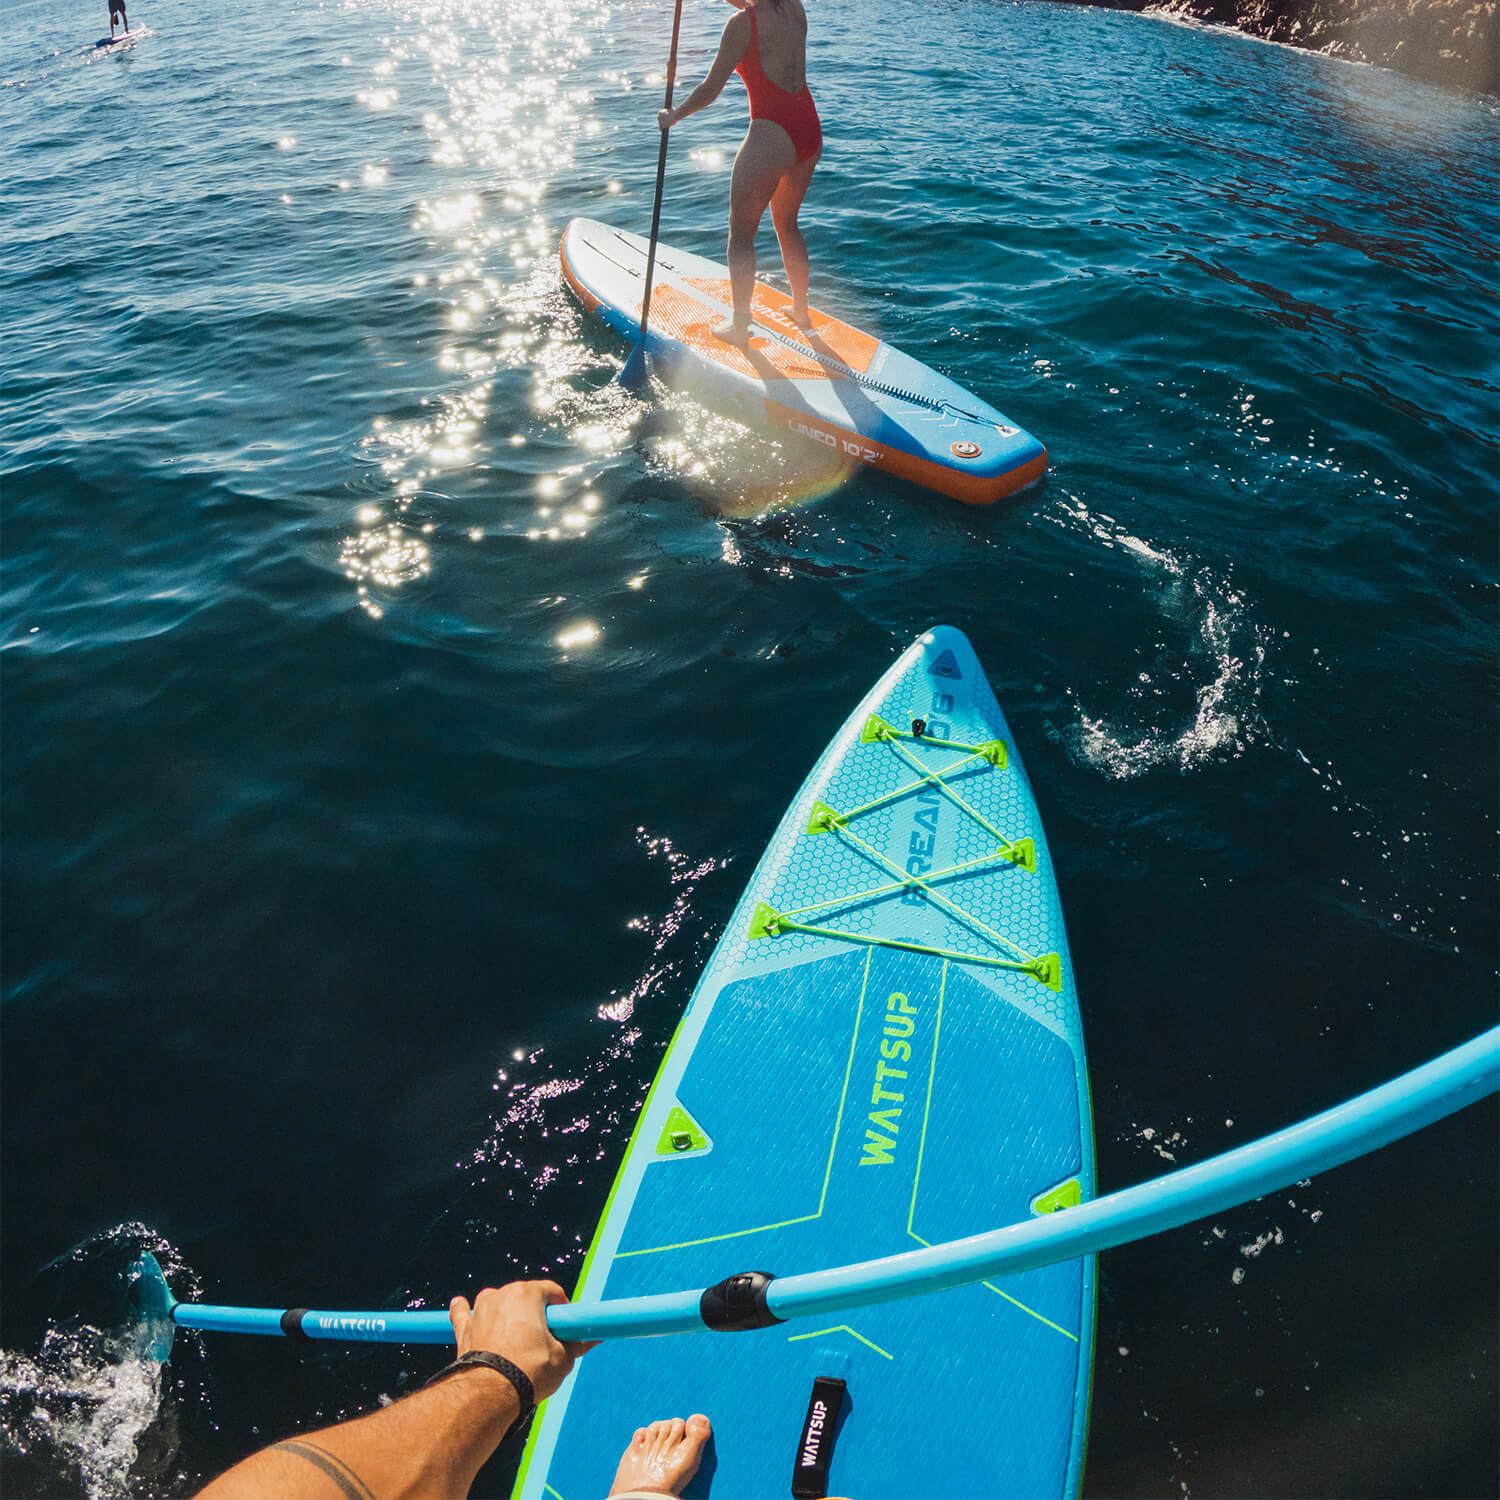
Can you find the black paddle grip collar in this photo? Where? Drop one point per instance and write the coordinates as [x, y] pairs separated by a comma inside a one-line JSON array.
[[291, 1324], [738, 1303]]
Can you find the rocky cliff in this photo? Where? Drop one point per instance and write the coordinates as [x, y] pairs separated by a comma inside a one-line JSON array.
[[1454, 42]]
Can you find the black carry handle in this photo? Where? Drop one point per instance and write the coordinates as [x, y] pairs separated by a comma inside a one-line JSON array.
[[819, 1429]]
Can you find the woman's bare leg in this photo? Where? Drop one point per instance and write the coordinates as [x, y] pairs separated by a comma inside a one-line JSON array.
[[765, 155], [785, 202]]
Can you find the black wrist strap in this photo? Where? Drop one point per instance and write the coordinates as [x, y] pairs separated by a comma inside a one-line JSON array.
[[501, 1366]]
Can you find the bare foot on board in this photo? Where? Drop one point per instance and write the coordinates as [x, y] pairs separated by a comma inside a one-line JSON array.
[[733, 333], [662, 1457]]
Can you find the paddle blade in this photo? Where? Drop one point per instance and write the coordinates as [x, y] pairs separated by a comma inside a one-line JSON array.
[[150, 1302], [634, 376]]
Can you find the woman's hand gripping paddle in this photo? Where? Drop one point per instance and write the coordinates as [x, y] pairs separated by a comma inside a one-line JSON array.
[[633, 376]]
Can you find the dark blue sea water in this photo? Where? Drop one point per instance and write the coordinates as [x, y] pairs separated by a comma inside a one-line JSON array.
[[393, 708]]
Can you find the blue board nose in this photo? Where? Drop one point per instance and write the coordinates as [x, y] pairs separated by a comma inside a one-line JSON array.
[[884, 1052]]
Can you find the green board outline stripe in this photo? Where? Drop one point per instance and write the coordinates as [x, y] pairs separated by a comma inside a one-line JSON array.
[[937, 1033], [794, 1338], [537, 1423], [911, 1215], [838, 1125]]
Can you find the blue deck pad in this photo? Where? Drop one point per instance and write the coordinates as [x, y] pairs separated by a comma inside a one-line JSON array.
[[889, 1151], [901, 1106], [849, 1100]]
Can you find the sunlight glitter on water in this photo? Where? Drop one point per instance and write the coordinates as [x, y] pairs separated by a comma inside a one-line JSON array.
[[518, 103], [540, 1131], [515, 132]]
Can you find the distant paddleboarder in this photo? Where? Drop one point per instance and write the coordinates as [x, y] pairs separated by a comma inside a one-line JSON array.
[[766, 44], [117, 8]]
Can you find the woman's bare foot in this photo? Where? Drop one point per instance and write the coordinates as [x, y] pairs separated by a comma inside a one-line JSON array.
[[661, 1458], [733, 332], [800, 315]]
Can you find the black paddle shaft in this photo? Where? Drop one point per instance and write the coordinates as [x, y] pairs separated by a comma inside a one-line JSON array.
[[661, 177]]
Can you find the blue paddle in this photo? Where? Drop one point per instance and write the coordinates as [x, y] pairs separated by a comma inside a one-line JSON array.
[[1368, 1121], [633, 376]]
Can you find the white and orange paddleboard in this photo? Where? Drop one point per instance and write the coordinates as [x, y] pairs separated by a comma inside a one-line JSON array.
[[831, 384]]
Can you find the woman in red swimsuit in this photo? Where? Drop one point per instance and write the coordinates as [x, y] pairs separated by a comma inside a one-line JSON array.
[[766, 44]]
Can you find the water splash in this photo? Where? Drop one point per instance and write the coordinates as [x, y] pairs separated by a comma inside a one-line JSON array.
[[81, 1406], [89, 1404], [1211, 646]]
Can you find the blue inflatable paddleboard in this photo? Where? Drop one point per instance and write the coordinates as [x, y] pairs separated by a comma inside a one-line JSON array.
[[883, 1052]]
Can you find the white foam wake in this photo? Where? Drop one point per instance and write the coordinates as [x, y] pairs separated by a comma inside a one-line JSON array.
[[79, 1407], [1200, 701], [84, 1413]]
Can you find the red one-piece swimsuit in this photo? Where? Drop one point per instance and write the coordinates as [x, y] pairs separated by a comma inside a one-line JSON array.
[[795, 113]]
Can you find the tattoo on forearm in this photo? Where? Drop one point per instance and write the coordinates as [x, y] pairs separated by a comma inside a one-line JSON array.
[[349, 1483]]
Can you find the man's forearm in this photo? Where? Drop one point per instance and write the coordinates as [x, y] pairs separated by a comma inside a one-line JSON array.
[[428, 1446]]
